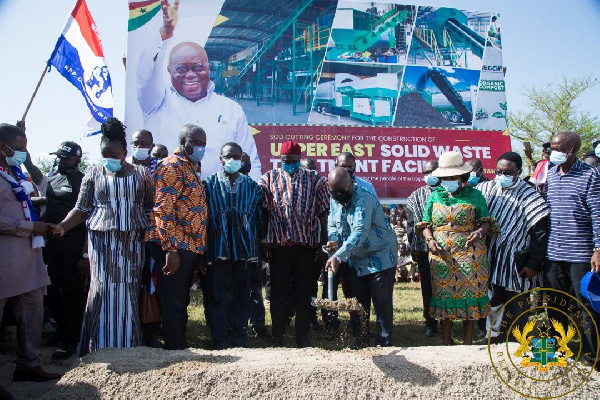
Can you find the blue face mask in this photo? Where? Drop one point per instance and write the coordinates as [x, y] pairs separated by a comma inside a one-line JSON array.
[[505, 181], [451, 186], [17, 159], [197, 155], [112, 164], [140, 153], [431, 180], [558, 157], [597, 151], [290, 168], [473, 178], [232, 166]]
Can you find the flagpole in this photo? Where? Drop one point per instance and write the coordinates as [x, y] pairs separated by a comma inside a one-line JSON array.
[[35, 92]]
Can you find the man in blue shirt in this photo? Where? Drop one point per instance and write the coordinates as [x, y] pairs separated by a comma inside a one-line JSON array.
[[234, 202], [347, 161], [573, 194], [361, 235]]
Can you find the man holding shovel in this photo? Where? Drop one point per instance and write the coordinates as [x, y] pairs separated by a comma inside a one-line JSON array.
[[360, 234]]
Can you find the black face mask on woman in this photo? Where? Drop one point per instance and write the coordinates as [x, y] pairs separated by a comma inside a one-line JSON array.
[[341, 196]]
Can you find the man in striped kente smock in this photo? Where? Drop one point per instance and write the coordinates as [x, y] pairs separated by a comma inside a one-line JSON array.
[[234, 203], [296, 205], [573, 194], [517, 253]]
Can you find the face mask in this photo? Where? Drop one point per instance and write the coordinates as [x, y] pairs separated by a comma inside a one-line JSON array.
[[473, 178], [245, 168], [431, 180], [341, 196], [66, 170], [17, 158], [140, 153], [558, 157], [232, 166], [505, 181], [597, 151], [290, 168], [112, 164], [197, 155], [451, 186]]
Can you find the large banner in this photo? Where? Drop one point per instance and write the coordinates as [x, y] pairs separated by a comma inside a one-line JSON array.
[[391, 158], [360, 68]]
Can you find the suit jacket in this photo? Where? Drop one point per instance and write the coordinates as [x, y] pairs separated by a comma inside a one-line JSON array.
[[21, 267]]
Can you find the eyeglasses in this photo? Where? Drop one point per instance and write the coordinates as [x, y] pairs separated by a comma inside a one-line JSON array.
[[505, 173], [184, 69]]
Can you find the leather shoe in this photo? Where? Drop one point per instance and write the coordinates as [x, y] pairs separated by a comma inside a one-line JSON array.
[[430, 331], [277, 341], [261, 332], [302, 342], [5, 394], [34, 374]]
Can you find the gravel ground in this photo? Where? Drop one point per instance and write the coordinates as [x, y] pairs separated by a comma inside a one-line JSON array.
[[457, 372]]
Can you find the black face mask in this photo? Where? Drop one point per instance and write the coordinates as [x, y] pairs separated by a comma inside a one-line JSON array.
[[67, 170], [245, 168], [341, 196]]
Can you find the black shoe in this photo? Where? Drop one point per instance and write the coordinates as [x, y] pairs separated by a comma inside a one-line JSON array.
[[302, 342], [430, 331], [277, 342], [261, 332], [34, 374], [359, 344], [315, 326], [63, 353]]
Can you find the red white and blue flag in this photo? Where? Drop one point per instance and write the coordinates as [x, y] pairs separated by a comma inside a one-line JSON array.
[[78, 56]]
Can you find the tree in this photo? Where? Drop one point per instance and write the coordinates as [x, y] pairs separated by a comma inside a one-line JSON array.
[[552, 110]]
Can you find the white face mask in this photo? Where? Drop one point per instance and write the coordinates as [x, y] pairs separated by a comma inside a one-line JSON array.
[[558, 157], [140, 153]]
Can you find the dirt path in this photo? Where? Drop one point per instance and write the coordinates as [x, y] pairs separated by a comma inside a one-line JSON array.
[[456, 372]]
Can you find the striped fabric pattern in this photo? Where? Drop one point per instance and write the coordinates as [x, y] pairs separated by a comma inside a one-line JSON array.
[[295, 203], [416, 205], [111, 317], [116, 203], [574, 200], [235, 217], [516, 211]]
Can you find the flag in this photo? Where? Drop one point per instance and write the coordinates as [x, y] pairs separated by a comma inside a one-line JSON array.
[[78, 56], [140, 12]]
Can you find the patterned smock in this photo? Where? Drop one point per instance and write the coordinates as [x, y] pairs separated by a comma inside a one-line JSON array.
[[459, 275]]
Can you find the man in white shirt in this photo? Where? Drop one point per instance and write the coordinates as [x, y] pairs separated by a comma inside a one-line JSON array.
[[190, 99]]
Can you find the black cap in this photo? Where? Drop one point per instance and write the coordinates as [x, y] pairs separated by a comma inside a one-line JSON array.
[[68, 149]]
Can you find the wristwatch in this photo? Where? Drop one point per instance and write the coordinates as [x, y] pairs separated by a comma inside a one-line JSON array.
[[85, 255]]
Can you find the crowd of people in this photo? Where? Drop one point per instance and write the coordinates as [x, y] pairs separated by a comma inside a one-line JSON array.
[[124, 242]]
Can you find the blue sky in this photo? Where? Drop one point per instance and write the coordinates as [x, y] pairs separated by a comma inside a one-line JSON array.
[[541, 40]]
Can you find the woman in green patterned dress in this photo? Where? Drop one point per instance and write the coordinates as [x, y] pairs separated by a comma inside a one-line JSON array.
[[455, 222]]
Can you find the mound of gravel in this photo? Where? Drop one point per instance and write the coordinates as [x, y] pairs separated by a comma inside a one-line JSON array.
[[412, 110], [456, 372]]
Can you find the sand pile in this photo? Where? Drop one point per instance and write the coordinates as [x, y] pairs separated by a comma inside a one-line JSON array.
[[456, 372]]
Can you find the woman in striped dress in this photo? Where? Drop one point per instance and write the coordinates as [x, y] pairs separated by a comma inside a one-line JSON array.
[[114, 199]]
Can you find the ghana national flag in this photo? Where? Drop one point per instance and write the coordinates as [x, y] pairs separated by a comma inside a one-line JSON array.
[[140, 12]]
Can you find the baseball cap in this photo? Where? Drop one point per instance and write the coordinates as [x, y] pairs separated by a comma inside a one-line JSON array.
[[590, 289], [68, 149]]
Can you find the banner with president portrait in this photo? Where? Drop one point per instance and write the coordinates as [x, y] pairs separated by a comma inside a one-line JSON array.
[[377, 74]]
